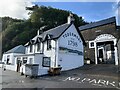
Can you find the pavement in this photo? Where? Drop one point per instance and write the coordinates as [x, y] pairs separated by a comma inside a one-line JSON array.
[[88, 76]]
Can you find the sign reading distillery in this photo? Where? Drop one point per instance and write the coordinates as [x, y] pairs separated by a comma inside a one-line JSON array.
[[72, 40]]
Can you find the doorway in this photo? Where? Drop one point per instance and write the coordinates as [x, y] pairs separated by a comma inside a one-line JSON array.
[[105, 52], [18, 64], [100, 56]]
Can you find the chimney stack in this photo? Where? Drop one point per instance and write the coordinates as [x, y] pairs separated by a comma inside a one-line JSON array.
[[38, 32], [70, 18]]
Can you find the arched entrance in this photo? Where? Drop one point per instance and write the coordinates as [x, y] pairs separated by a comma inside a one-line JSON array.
[[106, 49]]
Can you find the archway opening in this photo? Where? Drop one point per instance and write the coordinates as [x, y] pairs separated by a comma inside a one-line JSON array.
[[106, 49], [105, 52]]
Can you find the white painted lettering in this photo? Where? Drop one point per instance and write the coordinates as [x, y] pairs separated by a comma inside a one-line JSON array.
[[70, 79], [110, 83], [85, 79], [93, 81], [101, 82], [77, 79]]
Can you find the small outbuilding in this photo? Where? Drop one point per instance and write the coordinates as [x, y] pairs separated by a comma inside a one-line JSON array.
[[9, 57]]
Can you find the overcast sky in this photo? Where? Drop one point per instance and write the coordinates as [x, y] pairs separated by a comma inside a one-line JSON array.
[[90, 11]]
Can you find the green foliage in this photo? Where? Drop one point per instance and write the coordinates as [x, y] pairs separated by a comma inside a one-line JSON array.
[[16, 32]]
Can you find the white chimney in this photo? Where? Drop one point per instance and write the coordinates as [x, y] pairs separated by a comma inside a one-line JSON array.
[[70, 19], [38, 32]]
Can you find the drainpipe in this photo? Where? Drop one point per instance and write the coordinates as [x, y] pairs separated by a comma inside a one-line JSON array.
[[96, 61], [115, 51]]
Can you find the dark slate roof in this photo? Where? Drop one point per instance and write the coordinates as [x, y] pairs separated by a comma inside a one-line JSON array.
[[54, 33], [17, 49], [99, 23]]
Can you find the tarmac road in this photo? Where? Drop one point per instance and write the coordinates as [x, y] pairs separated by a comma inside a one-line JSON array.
[[88, 76]]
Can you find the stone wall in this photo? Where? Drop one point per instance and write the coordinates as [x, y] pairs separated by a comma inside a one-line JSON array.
[[118, 44], [92, 33]]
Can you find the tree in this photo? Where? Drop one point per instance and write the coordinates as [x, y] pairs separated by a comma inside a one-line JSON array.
[[16, 31]]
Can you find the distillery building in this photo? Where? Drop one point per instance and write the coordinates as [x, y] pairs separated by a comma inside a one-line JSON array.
[[61, 46], [101, 41]]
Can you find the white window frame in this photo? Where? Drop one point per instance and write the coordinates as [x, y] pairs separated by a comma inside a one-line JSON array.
[[36, 49], [49, 44], [31, 49], [24, 59], [90, 44], [46, 62]]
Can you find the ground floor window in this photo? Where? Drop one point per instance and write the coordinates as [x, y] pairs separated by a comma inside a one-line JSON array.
[[8, 59], [46, 62], [24, 60]]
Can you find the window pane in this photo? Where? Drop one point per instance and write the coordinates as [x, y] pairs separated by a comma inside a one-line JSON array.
[[31, 48], [24, 60], [48, 44], [92, 44], [38, 47], [46, 61]]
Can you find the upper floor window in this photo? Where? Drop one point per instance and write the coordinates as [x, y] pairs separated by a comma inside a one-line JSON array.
[[49, 45], [31, 48], [38, 47]]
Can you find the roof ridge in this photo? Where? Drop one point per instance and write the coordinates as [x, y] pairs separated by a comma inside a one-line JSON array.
[[104, 19], [19, 46], [14, 49], [98, 23], [55, 27]]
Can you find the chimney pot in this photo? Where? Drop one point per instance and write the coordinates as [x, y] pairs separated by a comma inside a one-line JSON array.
[[70, 18], [38, 32]]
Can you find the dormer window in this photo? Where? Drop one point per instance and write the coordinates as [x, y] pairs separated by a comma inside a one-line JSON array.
[[38, 43], [30, 43], [48, 37], [49, 45], [38, 47], [31, 48]]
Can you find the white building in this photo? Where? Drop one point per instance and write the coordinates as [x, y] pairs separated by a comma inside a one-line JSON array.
[[9, 57], [58, 47]]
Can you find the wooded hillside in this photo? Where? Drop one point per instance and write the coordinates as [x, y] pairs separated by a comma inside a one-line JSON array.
[[16, 32]]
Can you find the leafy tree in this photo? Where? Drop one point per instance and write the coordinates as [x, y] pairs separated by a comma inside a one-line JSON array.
[[16, 31]]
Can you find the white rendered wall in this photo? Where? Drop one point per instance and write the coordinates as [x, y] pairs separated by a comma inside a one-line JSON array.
[[70, 60], [4, 59], [11, 67], [12, 61], [38, 60], [64, 41], [12, 57], [50, 53]]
